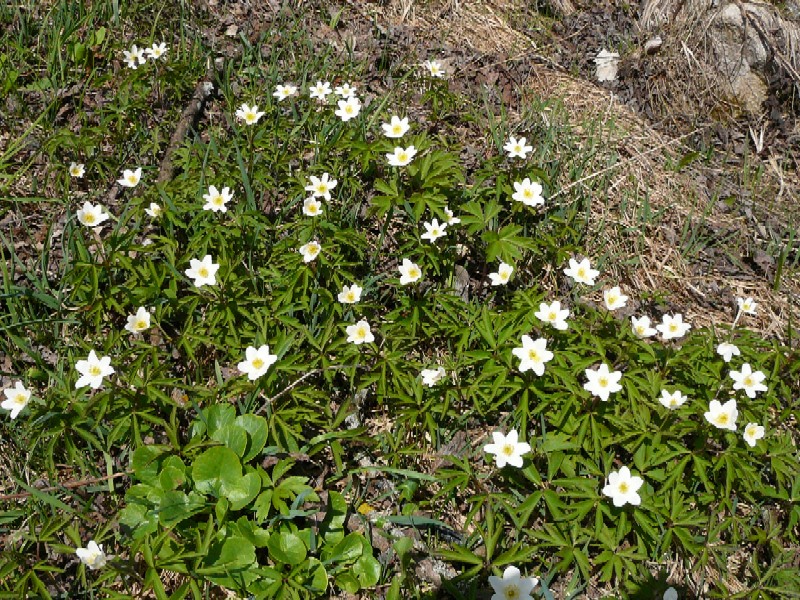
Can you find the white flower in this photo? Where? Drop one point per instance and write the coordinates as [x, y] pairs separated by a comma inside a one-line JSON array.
[[345, 90], [360, 333], [553, 314], [284, 91], [320, 91], [154, 210], [249, 114], [92, 215], [673, 400], [312, 207], [614, 298], [606, 63], [533, 355], [16, 399], [748, 380], [512, 586], [138, 322], [156, 51], [747, 305], [641, 327], [451, 220], [401, 156], [622, 488], [752, 433], [409, 272], [92, 556], [204, 272], [581, 272], [256, 361], [93, 370], [431, 377], [76, 169], [507, 449], [396, 127], [528, 192], [434, 68], [670, 594], [434, 230], [310, 250], [130, 178], [350, 295], [728, 351], [321, 187], [602, 382], [134, 57], [503, 274], [216, 200], [517, 147], [673, 327], [722, 415], [348, 109]]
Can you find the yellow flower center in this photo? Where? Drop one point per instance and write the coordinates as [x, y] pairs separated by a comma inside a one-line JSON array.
[[413, 273], [75, 171], [581, 272], [350, 296], [721, 419], [19, 399], [623, 488], [613, 299], [748, 381], [517, 148], [507, 449], [94, 371], [402, 157], [348, 109], [673, 327], [533, 355], [88, 217], [603, 382], [673, 402], [361, 332], [528, 193], [218, 200], [257, 363], [322, 188], [141, 324], [640, 329], [132, 179], [202, 271], [397, 129], [551, 316]]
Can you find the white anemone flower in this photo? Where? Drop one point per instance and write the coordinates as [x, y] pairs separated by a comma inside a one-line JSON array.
[[204, 272], [673, 326], [528, 192], [360, 333], [581, 272], [396, 127], [345, 90], [533, 354], [747, 305], [284, 91], [507, 449], [310, 250], [434, 230], [350, 294], [553, 314], [348, 109], [430, 377], [502, 275], [134, 57], [256, 361], [216, 199], [154, 210], [409, 272], [722, 416], [401, 156], [602, 381], [321, 187], [434, 68], [623, 488], [92, 215], [17, 399], [93, 556], [752, 433], [130, 179], [641, 327], [156, 51], [517, 148], [614, 298], [320, 91], [672, 401], [249, 114], [727, 351], [312, 207], [512, 586], [76, 170], [138, 322], [92, 371], [748, 380]]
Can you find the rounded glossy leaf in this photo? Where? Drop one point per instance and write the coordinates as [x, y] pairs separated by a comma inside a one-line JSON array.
[[368, 570], [287, 548], [214, 468], [233, 436], [257, 430]]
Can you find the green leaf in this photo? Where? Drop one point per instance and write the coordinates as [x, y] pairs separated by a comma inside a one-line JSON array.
[[368, 570], [257, 430], [286, 548], [215, 468], [233, 436], [332, 528]]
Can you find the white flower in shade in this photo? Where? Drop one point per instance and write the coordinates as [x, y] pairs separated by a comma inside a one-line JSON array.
[[351, 294], [92, 215], [249, 114], [156, 51], [284, 91], [673, 327], [434, 68], [581, 272], [670, 594], [553, 314], [727, 351], [614, 298], [348, 109], [606, 65], [507, 449], [154, 210], [747, 305], [434, 230], [431, 377], [204, 272], [320, 91], [130, 178], [622, 488], [134, 57], [16, 399], [360, 333], [602, 382], [93, 370], [528, 192], [216, 199], [321, 187], [641, 327], [345, 90], [138, 322], [722, 416], [503, 274], [451, 220], [312, 207], [752, 433], [512, 586], [673, 400], [310, 250], [76, 170], [93, 556], [517, 148], [532, 355], [396, 127], [748, 380], [256, 361], [401, 156], [409, 272]]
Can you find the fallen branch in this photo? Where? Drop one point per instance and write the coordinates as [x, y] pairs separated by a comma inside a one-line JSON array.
[[68, 485]]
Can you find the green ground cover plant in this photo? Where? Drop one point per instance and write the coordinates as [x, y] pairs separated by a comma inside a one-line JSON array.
[[254, 340]]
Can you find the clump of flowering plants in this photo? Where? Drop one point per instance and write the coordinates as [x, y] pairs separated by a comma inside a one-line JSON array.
[[258, 339]]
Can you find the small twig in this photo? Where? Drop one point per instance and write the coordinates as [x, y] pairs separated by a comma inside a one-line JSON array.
[[67, 485], [300, 380]]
